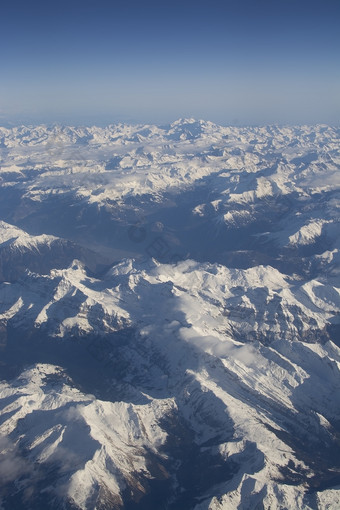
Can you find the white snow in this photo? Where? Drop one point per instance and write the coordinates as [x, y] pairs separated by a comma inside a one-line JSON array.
[[243, 356]]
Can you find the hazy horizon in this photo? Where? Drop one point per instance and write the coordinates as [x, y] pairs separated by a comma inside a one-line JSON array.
[[241, 63]]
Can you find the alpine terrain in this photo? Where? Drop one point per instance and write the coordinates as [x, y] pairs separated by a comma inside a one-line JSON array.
[[169, 317]]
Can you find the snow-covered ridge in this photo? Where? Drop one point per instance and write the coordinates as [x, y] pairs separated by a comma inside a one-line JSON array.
[[208, 383], [11, 235], [249, 348], [279, 184], [21, 253], [258, 303], [86, 439], [108, 163]]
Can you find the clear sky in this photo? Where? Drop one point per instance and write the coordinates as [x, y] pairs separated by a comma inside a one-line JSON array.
[[231, 61]]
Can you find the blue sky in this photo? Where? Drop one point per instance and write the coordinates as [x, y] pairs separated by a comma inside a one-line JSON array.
[[241, 61]]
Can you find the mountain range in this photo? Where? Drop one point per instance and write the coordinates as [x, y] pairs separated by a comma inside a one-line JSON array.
[[169, 317]]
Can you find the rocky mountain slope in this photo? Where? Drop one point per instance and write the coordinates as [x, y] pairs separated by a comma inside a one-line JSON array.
[[169, 317]]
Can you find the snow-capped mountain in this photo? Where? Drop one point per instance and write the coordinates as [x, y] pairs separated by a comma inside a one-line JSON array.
[[169, 317], [21, 252], [241, 360], [256, 195]]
